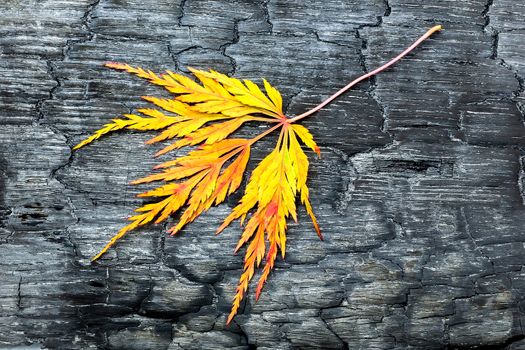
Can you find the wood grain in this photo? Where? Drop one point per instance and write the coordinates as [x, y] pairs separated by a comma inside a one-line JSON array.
[[420, 190]]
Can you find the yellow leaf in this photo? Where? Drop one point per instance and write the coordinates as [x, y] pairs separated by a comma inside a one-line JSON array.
[[204, 113], [306, 137], [274, 95]]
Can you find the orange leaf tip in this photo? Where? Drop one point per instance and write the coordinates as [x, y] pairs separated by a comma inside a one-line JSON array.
[[229, 320], [115, 65]]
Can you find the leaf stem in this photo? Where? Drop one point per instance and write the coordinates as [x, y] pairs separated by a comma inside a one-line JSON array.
[[263, 134], [263, 119], [367, 75]]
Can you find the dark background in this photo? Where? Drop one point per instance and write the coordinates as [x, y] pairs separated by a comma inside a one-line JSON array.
[[419, 190]]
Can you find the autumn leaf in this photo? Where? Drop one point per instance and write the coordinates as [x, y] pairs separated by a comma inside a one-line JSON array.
[[203, 113]]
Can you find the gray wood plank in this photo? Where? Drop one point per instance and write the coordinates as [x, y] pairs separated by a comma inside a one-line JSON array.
[[420, 189]]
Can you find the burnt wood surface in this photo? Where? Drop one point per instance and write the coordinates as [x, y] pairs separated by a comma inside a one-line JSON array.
[[419, 189]]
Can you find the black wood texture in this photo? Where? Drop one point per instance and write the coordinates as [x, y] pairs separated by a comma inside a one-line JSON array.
[[419, 190]]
